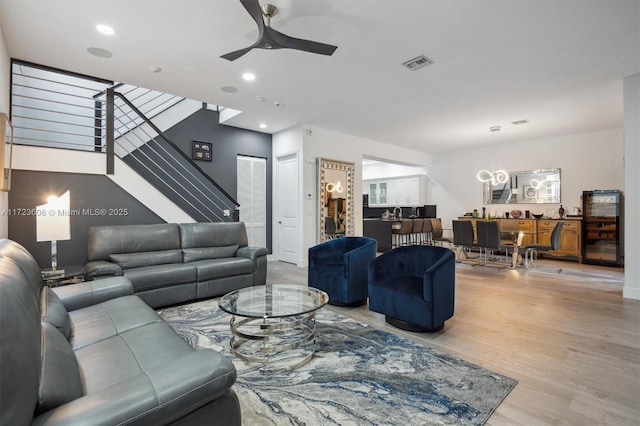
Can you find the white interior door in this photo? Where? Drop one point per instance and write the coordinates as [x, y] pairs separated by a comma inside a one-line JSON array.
[[287, 208], [252, 197]]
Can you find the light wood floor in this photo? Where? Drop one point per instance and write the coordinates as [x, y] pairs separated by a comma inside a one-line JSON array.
[[570, 339]]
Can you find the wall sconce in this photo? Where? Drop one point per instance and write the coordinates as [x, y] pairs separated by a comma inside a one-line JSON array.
[[53, 223]]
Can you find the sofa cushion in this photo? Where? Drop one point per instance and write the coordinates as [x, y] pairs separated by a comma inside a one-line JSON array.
[[137, 350], [60, 380], [219, 268], [208, 234], [193, 254], [53, 311], [150, 277], [104, 320], [105, 240], [146, 258]]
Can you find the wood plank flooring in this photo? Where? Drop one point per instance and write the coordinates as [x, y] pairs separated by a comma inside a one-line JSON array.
[[570, 339]]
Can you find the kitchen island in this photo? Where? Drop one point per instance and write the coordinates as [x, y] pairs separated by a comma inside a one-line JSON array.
[[380, 230]]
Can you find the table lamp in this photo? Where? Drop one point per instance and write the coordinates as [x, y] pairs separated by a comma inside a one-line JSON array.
[[53, 224]]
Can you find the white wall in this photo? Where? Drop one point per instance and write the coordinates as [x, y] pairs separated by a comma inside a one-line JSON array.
[[323, 143], [5, 66], [587, 161], [631, 89], [311, 143]]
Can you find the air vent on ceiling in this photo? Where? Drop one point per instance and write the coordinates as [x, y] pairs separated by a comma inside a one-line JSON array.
[[417, 62], [525, 121]]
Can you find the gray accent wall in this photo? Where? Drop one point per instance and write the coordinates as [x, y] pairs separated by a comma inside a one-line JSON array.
[[94, 192], [227, 142], [89, 194]]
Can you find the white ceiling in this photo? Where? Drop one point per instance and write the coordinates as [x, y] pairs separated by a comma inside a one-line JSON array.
[[557, 63]]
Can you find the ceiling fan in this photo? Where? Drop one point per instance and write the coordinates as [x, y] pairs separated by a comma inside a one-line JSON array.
[[268, 38]]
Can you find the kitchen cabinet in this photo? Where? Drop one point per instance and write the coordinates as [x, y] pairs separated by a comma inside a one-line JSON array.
[[570, 237], [394, 192]]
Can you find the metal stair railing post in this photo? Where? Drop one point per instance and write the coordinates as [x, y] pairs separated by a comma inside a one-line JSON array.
[[110, 127]]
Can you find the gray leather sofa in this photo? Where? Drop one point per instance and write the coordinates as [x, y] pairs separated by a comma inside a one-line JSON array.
[[174, 263], [95, 354]]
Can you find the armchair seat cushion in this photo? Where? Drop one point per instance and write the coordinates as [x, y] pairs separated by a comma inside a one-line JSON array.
[[219, 268], [158, 276]]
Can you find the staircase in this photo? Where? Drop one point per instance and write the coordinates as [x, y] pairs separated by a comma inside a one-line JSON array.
[[60, 110]]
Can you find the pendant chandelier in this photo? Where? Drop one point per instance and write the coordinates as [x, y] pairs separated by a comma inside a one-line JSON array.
[[496, 177]]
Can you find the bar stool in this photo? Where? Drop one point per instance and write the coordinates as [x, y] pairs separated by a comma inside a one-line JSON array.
[[416, 231], [402, 234], [427, 232]]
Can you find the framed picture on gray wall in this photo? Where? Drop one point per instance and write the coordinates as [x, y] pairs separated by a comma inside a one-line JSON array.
[[201, 151]]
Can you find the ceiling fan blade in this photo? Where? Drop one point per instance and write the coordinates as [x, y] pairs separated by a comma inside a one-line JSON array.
[[232, 56], [254, 9], [287, 42]]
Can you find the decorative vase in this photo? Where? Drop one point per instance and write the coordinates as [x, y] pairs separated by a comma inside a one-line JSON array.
[[475, 213], [561, 211]]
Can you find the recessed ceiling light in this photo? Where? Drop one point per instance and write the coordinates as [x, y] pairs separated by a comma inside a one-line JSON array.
[[229, 89], [99, 52], [105, 29], [260, 98], [155, 68], [249, 76], [263, 126]]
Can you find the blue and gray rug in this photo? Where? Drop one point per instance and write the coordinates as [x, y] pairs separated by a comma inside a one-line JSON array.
[[359, 376]]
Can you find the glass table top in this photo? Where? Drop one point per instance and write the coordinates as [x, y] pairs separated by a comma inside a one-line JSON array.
[[273, 301]]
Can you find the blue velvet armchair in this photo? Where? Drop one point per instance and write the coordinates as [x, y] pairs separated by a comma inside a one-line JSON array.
[[414, 287], [339, 268]]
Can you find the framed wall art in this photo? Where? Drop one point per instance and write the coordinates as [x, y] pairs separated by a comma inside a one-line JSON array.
[[201, 151]]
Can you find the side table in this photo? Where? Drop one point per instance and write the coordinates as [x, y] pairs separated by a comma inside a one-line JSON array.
[[66, 275]]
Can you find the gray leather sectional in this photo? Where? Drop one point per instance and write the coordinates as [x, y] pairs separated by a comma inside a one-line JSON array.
[[175, 263], [95, 354]]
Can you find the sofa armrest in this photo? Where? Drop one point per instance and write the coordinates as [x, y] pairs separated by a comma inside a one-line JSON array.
[[251, 252], [104, 268], [258, 256], [159, 396], [80, 295]]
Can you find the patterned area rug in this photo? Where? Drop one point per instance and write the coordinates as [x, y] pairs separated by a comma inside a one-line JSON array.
[[359, 376]]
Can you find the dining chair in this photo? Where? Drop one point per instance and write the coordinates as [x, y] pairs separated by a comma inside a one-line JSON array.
[[464, 240], [489, 240], [532, 249], [330, 228]]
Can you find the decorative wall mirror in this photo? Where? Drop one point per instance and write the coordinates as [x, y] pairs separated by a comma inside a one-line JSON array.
[[335, 199], [541, 186]]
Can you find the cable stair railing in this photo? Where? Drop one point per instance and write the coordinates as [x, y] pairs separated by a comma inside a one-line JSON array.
[[55, 109], [156, 155]]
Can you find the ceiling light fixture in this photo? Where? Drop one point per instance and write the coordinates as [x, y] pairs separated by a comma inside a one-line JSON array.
[[263, 126], [248, 76], [229, 89], [105, 29], [496, 177], [99, 52]]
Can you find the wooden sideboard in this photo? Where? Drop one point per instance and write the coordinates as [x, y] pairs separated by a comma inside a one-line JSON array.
[[538, 231]]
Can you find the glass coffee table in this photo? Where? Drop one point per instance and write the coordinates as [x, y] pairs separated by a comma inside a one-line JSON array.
[[274, 324]]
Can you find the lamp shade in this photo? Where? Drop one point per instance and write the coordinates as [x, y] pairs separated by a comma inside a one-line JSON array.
[[52, 219]]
